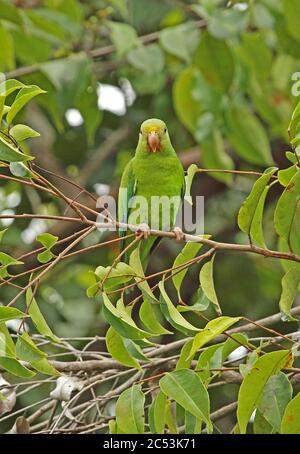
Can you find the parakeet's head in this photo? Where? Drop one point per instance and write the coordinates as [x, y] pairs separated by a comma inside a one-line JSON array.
[[154, 135]]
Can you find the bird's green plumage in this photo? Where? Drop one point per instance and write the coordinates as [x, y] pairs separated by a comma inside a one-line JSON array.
[[150, 174]]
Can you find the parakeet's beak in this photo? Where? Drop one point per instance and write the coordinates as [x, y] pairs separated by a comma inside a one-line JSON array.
[[153, 141]]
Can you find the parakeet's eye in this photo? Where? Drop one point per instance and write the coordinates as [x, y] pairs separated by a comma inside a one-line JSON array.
[[165, 130]]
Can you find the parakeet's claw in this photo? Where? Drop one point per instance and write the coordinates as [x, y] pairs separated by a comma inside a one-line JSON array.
[[143, 230], [179, 235]]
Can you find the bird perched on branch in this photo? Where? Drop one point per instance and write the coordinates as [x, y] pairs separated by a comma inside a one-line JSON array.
[[152, 187]]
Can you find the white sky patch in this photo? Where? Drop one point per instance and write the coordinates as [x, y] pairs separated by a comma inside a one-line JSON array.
[[111, 98], [8, 221], [35, 227], [74, 117]]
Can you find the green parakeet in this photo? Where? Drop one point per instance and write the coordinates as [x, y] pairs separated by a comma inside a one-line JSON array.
[[154, 173]]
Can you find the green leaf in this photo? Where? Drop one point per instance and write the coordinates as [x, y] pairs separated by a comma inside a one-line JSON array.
[[276, 395], [286, 208], [212, 330], [7, 54], [22, 98], [180, 40], [261, 425], [123, 36], [215, 60], [120, 274], [210, 358], [15, 367], [214, 156], [172, 315], [10, 313], [2, 100], [45, 256], [130, 410], [19, 169], [149, 59], [149, 318], [250, 213], [27, 351], [285, 175], [253, 384], [122, 323], [7, 346], [247, 135], [157, 413], [185, 359], [38, 319], [188, 252], [191, 172], [291, 10], [207, 284], [6, 260], [45, 367], [136, 265], [187, 108], [290, 283], [47, 240], [294, 123], [10, 153], [117, 349], [9, 86], [186, 388], [22, 132], [291, 419], [2, 232]]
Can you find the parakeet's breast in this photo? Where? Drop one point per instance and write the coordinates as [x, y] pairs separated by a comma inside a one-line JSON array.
[[159, 182]]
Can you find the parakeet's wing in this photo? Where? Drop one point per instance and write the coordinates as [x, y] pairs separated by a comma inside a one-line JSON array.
[[126, 191]]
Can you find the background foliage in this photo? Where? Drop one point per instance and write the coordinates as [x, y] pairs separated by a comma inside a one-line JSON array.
[[223, 75]]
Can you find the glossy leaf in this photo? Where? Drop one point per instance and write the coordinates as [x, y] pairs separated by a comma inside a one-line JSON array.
[[291, 419], [191, 172], [22, 98], [253, 384], [38, 318], [207, 284], [212, 330], [157, 413], [117, 349], [186, 388], [286, 208], [10, 313], [27, 351], [124, 325], [7, 346], [10, 153], [130, 410], [172, 315], [148, 316], [249, 217], [189, 251], [14, 367], [276, 395], [290, 284], [22, 132]]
